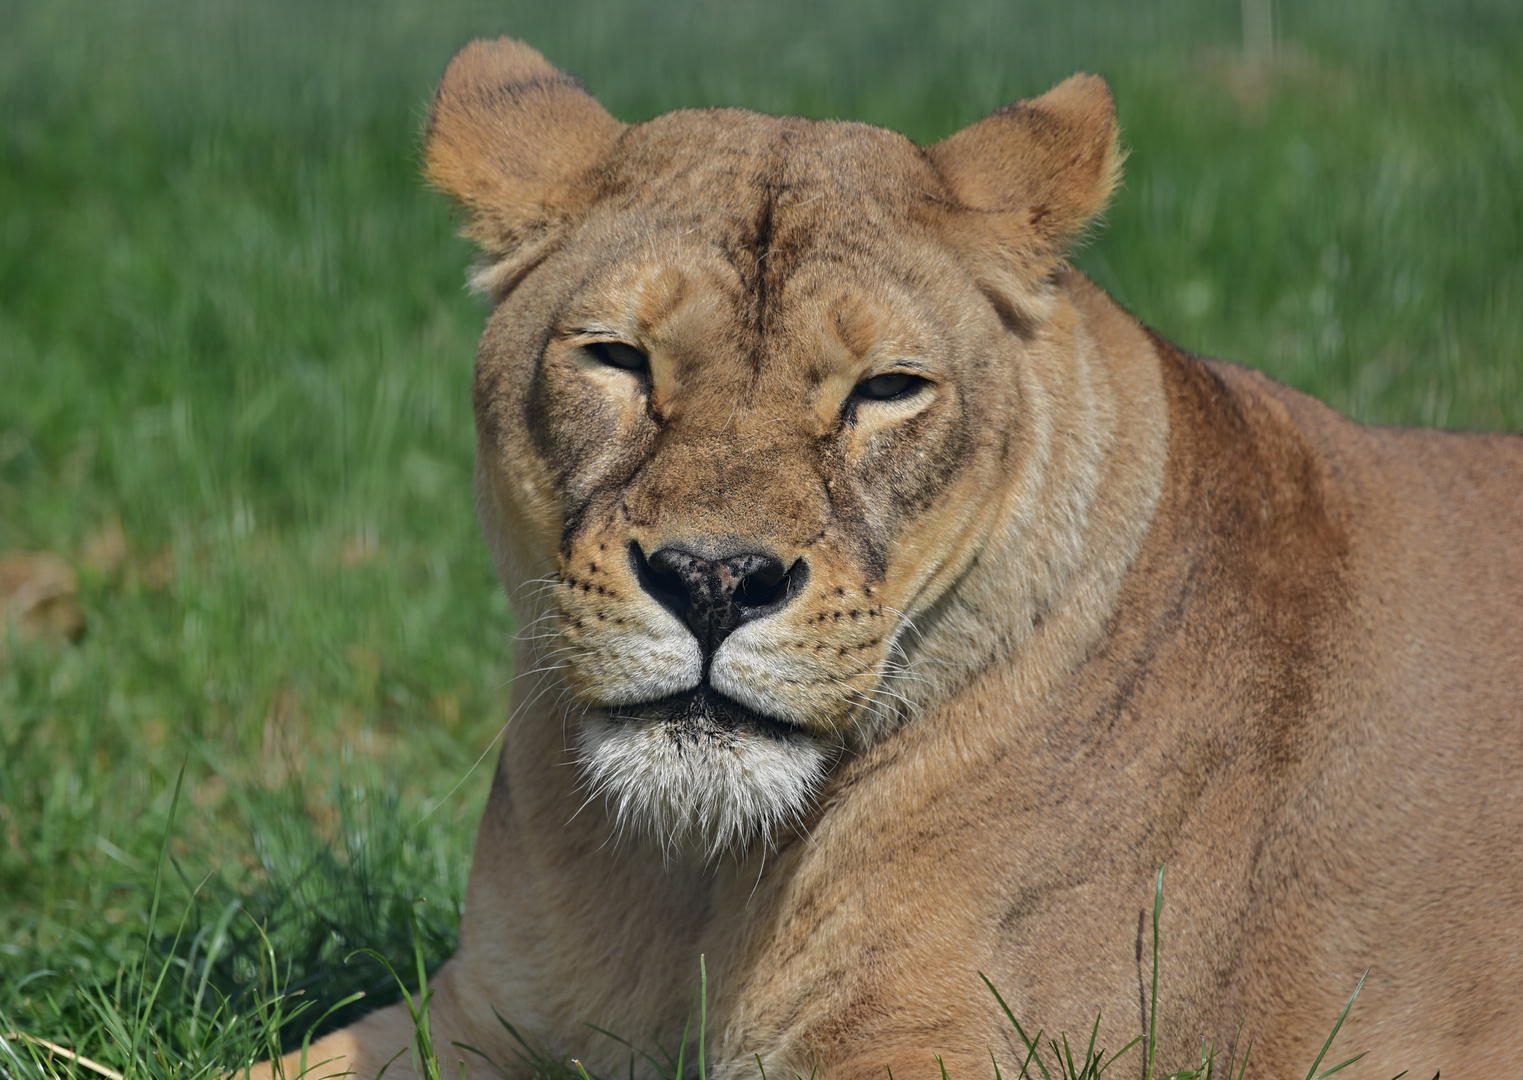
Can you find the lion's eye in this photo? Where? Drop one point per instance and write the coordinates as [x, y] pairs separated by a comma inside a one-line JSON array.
[[618, 354], [890, 387]]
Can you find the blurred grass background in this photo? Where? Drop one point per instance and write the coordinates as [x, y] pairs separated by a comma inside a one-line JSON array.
[[235, 352]]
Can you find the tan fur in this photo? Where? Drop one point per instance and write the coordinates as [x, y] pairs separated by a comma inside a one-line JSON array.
[[1082, 605]]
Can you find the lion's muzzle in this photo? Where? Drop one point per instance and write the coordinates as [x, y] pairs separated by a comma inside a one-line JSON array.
[[715, 597]]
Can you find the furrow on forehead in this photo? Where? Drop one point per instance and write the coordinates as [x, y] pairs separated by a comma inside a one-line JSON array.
[[739, 172]]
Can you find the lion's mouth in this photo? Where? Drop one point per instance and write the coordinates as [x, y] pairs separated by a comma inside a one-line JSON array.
[[703, 717], [700, 772]]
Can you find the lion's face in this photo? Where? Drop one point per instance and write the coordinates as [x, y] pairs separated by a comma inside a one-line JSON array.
[[744, 414]]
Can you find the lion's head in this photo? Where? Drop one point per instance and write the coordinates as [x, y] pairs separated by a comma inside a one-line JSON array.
[[758, 403]]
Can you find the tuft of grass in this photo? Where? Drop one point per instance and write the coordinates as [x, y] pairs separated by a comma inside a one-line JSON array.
[[1092, 1063], [425, 1058], [246, 969]]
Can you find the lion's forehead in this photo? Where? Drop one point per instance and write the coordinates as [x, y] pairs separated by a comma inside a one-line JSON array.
[[769, 194], [734, 159], [726, 236]]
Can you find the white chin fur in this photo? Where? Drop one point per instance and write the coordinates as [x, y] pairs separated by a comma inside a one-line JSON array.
[[699, 796]]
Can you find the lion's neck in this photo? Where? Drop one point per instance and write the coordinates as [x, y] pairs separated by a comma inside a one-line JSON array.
[[1073, 517]]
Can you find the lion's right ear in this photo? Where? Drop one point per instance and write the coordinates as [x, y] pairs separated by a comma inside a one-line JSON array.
[[1036, 172], [509, 136]]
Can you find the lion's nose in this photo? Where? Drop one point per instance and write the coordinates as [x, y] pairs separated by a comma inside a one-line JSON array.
[[715, 597]]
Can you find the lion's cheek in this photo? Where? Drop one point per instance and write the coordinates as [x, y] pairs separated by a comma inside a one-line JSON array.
[[521, 517], [934, 548], [586, 433]]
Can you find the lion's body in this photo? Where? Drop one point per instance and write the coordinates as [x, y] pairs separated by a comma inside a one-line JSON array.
[[1130, 608]]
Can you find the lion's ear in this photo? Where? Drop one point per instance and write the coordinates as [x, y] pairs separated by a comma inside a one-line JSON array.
[[509, 134], [1042, 168]]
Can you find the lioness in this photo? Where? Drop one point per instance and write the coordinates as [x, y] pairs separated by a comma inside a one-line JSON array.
[[893, 604]]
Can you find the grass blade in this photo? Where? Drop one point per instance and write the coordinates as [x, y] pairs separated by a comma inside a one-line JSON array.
[[1153, 1004], [1029, 1054], [306, 1040], [1310, 1073], [1117, 1055], [62, 1051], [1345, 1065], [145, 1007], [682, 1050], [1030, 1046], [660, 1069]]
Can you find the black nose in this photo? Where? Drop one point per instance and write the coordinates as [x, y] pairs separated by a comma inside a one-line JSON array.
[[715, 597]]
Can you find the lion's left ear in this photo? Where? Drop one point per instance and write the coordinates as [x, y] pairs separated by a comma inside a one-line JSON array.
[[510, 137], [1040, 168]]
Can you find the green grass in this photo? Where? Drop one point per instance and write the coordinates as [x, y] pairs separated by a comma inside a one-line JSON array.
[[235, 354]]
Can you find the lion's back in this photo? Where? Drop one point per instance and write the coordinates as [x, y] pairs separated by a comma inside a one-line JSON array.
[[1419, 706]]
